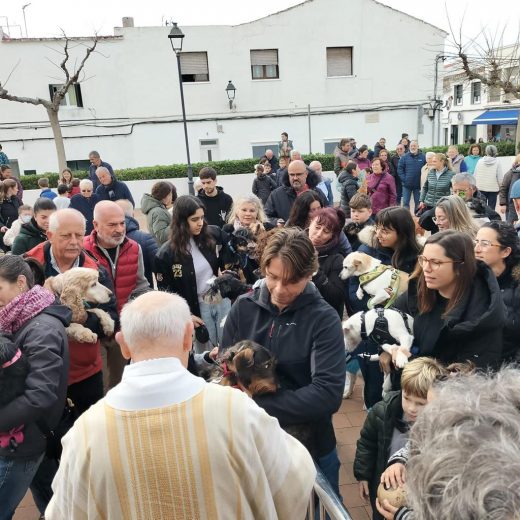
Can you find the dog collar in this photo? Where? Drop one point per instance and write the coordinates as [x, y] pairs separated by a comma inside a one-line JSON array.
[[86, 304], [12, 361]]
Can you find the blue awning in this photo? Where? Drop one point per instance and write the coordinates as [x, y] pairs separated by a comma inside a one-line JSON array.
[[498, 117]]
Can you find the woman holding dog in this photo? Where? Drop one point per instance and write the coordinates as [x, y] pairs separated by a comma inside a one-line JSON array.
[[247, 212], [36, 325], [455, 302]]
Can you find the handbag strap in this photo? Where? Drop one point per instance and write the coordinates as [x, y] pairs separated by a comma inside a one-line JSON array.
[[374, 189]]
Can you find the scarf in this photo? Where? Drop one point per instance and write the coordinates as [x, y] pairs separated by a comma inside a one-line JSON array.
[[331, 244], [24, 307]]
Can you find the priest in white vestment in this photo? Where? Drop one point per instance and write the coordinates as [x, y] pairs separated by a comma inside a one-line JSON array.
[[166, 444]]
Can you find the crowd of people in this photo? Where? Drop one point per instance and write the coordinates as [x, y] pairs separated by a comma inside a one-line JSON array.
[[153, 435]]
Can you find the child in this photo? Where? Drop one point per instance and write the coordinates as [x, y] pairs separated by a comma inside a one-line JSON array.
[[388, 423], [263, 185], [46, 192], [25, 214], [62, 201], [361, 216], [74, 187]]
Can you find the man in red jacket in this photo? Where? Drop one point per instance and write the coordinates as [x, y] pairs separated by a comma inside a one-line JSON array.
[[123, 259]]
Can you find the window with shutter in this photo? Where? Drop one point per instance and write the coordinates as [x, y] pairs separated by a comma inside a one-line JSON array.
[[72, 98], [264, 64], [339, 61], [194, 67]]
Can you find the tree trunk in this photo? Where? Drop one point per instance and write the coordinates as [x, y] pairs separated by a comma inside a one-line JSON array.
[[58, 138]]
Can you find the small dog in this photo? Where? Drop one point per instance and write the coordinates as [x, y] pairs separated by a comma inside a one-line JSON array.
[[477, 208], [14, 368], [389, 328], [382, 282], [77, 288], [240, 254], [227, 285]]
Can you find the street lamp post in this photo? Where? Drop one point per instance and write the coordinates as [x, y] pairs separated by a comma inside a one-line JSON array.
[[176, 37], [24, 20]]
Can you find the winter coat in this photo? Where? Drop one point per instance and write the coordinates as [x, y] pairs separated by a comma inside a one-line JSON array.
[[471, 162], [471, 331], [382, 191], [363, 164], [176, 273], [339, 157], [92, 173], [148, 246], [307, 341], [509, 283], [505, 189], [409, 169], [85, 358], [488, 174], [377, 148], [262, 187], [43, 341], [373, 445], [86, 207], [116, 190], [434, 188], [393, 164], [9, 211], [30, 236], [349, 187], [216, 208], [327, 279], [458, 165], [158, 218]]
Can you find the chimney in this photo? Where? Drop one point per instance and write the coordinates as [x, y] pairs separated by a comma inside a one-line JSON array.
[[128, 21]]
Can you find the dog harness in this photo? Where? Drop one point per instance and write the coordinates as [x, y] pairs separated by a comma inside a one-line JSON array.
[[380, 333], [392, 289]]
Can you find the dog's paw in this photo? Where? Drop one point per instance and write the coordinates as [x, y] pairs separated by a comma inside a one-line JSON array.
[[77, 332], [401, 358]]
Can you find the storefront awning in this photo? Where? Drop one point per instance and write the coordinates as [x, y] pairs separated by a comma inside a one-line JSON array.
[[498, 117]]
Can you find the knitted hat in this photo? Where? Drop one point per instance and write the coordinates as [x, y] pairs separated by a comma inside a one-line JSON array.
[[515, 191]]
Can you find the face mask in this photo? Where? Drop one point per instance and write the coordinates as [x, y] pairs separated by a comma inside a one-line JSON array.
[[462, 194], [25, 218]]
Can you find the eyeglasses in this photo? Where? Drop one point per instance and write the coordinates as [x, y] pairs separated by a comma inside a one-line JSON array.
[[439, 220], [435, 264], [382, 231], [484, 244]]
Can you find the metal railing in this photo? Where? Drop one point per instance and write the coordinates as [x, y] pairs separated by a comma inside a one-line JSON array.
[[324, 503]]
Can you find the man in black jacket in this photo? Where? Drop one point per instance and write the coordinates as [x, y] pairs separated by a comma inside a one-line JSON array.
[[217, 203], [287, 315]]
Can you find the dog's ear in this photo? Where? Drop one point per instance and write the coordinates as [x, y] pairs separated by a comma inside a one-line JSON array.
[[356, 263], [54, 284]]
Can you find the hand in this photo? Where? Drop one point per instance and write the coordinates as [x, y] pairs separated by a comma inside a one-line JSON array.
[[503, 209], [363, 489], [421, 206], [197, 322], [3, 229], [385, 362], [213, 353], [386, 510], [394, 476]]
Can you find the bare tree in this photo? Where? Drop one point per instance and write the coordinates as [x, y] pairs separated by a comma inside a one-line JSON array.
[[71, 77]]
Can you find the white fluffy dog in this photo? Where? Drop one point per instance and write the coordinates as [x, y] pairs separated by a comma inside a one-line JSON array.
[[382, 282], [75, 288]]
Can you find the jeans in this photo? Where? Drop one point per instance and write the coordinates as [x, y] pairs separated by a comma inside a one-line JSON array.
[[407, 195], [212, 316], [15, 478], [491, 198], [329, 465]]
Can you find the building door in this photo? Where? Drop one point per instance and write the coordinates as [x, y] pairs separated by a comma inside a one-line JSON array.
[[454, 134], [209, 150]]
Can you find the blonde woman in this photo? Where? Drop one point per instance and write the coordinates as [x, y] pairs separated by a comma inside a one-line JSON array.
[[452, 213], [247, 212]]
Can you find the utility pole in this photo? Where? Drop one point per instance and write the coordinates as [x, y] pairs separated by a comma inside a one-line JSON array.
[[24, 20]]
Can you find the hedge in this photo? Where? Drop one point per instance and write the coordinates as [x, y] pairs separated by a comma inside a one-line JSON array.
[[224, 167]]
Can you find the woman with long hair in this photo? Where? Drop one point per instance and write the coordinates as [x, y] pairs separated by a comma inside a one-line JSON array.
[[455, 302], [451, 212], [437, 183], [65, 177], [325, 230], [303, 209], [188, 261], [497, 244]]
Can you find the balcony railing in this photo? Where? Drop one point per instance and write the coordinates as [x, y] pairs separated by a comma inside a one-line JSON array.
[[324, 502]]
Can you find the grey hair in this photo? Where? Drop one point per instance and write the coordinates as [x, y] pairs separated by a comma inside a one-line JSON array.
[[86, 183], [247, 199], [491, 150], [55, 218], [464, 177], [295, 153], [414, 141], [429, 154], [93, 153], [102, 169], [465, 454], [141, 325]]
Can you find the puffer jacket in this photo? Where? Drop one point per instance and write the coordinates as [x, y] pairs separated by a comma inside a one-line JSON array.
[[505, 189], [116, 190], [158, 218], [409, 169], [30, 236], [381, 189], [85, 205], [509, 283], [434, 188], [488, 174], [262, 187], [472, 331], [349, 187]]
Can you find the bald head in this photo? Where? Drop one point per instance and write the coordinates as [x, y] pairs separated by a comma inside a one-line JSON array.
[[104, 176], [109, 224], [297, 175], [156, 325]]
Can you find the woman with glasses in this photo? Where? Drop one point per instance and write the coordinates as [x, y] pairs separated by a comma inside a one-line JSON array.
[[497, 245], [84, 202], [452, 213], [455, 302]]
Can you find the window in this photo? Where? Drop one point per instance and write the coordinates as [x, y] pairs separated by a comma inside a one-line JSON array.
[[81, 165], [194, 67], [494, 94], [475, 92], [339, 61], [330, 146], [73, 97], [457, 94], [29, 172], [264, 64], [259, 149]]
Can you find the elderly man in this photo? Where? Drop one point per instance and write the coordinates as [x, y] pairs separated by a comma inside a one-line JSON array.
[[298, 180], [273, 161], [110, 188], [123, 259], [286, 314], [324, 184], [95, 163], [166, 444], [62, 251], [409, 171], [393, 165], [84, 202]]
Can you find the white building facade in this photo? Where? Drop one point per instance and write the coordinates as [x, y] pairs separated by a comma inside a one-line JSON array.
[[320, 71]]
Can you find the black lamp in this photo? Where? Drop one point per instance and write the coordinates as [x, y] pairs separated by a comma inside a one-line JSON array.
[[176, 38], [230, 91]]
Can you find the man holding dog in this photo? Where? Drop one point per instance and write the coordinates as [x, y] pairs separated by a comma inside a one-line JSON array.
[[286, 314], [166, 444]]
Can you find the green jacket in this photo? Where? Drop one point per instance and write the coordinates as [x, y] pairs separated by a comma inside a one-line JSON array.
[[433, 189], [373, 445], [158, 218], [30, 236]]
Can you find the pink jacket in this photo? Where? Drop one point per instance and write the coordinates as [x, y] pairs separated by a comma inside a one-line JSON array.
[[381, 189]]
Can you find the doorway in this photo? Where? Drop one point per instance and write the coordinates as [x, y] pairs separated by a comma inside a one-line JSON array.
[[209, 150]]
